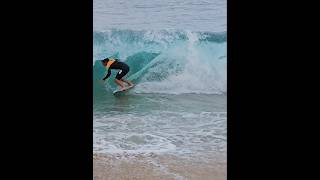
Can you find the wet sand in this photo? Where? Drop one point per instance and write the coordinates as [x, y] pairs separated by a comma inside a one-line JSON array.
[[155, 167]]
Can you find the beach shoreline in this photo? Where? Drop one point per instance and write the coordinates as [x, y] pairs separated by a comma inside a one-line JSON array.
[[153, 166]]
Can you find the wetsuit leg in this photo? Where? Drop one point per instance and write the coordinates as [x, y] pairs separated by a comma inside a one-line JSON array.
[[123, 71]]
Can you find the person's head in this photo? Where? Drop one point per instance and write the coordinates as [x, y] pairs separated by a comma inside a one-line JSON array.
[[105, 61]]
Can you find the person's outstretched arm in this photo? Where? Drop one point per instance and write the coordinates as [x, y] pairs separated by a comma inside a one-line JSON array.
[[109, 73]]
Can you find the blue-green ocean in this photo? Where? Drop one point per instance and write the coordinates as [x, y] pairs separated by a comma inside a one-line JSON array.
[[177, 53]]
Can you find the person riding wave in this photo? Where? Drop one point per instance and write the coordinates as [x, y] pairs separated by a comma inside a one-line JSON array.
[[123, 70]]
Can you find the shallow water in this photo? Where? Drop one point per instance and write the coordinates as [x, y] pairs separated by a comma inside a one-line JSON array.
[[188, 124]]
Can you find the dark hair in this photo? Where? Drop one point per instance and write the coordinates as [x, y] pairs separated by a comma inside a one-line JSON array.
[[105, 60]]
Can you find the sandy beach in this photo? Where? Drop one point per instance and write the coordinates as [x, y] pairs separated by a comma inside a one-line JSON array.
[[155, 167]]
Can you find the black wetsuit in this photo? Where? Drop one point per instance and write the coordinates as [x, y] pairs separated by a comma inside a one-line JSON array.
[[124, 69]]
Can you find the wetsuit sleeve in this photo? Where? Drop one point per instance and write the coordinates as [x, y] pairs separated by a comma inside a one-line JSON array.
[[109, 73]]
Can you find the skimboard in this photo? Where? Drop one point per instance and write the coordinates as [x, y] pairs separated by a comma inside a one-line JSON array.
[[117, 92]]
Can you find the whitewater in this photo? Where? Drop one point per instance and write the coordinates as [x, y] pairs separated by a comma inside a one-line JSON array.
[[172, 62], [177, 53]]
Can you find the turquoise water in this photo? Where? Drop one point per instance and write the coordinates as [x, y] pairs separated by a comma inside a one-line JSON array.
[[177, 55], [183, 125]]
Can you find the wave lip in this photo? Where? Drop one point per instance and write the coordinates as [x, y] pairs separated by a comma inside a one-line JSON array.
[[167, 61]]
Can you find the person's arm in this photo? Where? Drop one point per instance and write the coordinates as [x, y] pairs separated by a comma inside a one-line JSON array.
[[109, 73]]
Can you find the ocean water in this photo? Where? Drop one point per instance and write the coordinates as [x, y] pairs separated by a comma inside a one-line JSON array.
[[194, 15], [176, 50]]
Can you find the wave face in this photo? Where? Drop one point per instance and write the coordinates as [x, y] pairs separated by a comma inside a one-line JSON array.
[[165, 61]]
